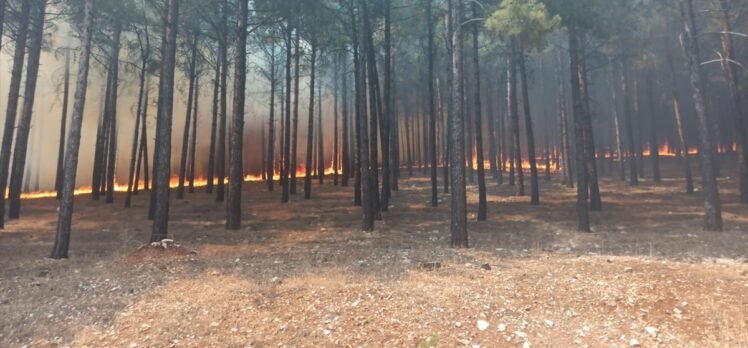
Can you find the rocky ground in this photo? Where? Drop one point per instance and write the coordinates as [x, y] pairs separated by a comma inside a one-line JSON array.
[[304, 275]]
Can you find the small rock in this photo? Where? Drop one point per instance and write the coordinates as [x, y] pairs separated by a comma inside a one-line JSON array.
[[549, 323], [634, 342], [482, 325], [214, 324], [526, 345], [652, 331], [458, 324], [502, 327], [628, 269], [486, 267], [520, 334]]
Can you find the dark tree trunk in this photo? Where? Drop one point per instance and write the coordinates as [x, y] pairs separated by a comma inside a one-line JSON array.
[[142, 104], [478, 122], [737, 102], [63, 119], [213, 127], [65, 211], [394, 130], [187, 116], [629, 124], [589, 139], [143, 151], [101, 131], [346, 160], [236, 169], [386, 113], [685, 157], [514, 123], [616, 121], [492, 136], [458, 221], [193, 137], [320, 138], [534, 185], [112, 151], [431, 111], [408, 142], [270, 157], [654, 147], [285, 180], [579, 114], [24, 126], [223, 55], [450, 85], [295, 124], [363, 133], [637, 125], [335, 139], [162, 160], [12, 106], [310, 124], [712, 205], [375, 110]]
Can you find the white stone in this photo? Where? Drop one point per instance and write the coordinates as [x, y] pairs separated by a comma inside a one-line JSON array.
[[482, 325]]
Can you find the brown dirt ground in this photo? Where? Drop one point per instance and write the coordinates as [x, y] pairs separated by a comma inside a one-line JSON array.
[[304, 275]]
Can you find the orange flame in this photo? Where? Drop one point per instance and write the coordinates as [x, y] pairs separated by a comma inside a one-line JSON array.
[[173, 183]]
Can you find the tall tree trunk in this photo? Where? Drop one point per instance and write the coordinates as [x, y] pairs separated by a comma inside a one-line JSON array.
[[478, 122], [187, 116], [24, 126], [295, 124], [193, 136], [492, 136], [14, 91], [616, 121], [310, 124], [387, 114], [375, 110], [320, 138], [629, 124], [654, 147], [270, 157], [432, 111], [363, 132], [712, 205], [63, 121], [514, 122], [142, 104], [579, 114], [213, 127], [70, 168], [685, 157], [346, 160], [449, 26], [236, 169], [737, 102], [162, 160], [458, 221], [563, 121], [335, 140], [143, 157], [101, 131], [112, 152], [224, 56], [534, 185], [589, 139], [285, 175], [637, 122]]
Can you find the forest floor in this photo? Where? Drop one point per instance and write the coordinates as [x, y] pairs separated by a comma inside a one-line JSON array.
[[304, 275]]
